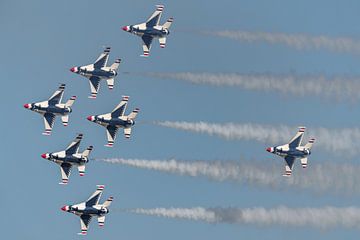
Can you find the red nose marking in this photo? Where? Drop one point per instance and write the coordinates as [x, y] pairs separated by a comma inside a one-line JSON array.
[[89, 118], [72, 69], [27, 105], [63, 208], [125, 28], [268, 149], [43, 155]]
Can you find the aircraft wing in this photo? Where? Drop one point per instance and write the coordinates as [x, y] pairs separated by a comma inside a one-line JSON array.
[[120, 108], [111, 132], [102, 59], [94, 86], [147, 40], [84, 222], [57, 96], [296, 141], [154, 19], [289, 163], [95, 197], [65, 172], [49, 120], [74, 145]]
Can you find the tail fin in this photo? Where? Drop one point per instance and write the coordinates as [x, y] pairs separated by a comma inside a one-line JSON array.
[[108, 202], [133, 114], [87, 151], [310, 143], [168, 23], [116, 64], [71, 101]]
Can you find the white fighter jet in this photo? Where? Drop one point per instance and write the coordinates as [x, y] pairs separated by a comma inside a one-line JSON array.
[[115, 120], [151, 29], [52, 108], [99, 71], [69, 158], [294, 150], [90, 208]]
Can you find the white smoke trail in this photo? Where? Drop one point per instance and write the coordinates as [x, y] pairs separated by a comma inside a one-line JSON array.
[[329, 177], [297, 41], [325, 217], [344, 140], [340, 88]]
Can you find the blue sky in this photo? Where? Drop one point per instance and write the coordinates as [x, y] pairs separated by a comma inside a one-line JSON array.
[[42, 40]]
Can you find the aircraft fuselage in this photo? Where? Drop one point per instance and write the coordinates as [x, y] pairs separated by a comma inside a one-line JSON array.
[[300, 152], [117, 122], [155, 32], [96, 210], [58, 109], [60, 157], [103, 73]]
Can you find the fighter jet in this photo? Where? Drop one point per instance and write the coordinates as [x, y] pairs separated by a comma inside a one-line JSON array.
[[115, 120], [99, 71], [294, 150], [69, 158], [90, 208], [151, 29], [52, 108]]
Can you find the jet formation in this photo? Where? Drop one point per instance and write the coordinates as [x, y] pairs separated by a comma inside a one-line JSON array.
[[89, 209], [151, 29], [70, 157], [293, 150], [113, 121]]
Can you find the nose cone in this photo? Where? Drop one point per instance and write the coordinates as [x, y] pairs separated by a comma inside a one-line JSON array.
[[65, 208], [73, 69], [27, 105], [270, 150], [90, 118], [126, 28], [44, 155]]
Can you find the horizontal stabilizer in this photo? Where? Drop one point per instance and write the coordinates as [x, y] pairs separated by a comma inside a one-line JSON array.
[[310, 143], [70, 102], [133, 114], [87, 151], [168, 23], [304, 162], [65, 120], [116, 64], [108, 202]]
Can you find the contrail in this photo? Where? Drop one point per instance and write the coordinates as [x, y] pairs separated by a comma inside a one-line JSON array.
[[297, 41], [340, 88], [323, 218], [329, 177], [345, 140]]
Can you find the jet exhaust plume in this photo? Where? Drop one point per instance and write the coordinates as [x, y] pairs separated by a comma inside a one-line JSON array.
[[340, 88], [323, 218], [319, 178], [345, 140], [297, 41]]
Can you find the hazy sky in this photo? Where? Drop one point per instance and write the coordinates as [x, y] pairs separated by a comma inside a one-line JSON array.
[[42, 40]]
